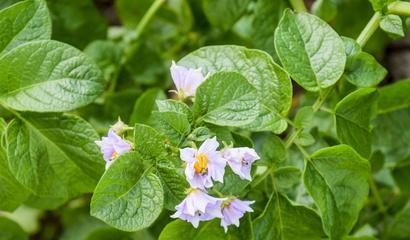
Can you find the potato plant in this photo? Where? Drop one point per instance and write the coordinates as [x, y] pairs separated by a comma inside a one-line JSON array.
[[203, 119]]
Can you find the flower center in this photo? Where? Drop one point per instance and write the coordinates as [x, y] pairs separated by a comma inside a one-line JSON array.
[[244, 162], [114, 155], [201, 165]]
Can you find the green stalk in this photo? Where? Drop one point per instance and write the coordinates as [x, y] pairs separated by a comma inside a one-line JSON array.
[[298, 5], [399, 8], [148, 16], [370, 28], [132, 44]]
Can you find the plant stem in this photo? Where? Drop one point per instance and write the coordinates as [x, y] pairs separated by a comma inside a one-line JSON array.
[[370, 28], [316, 106], [377, 197], [400, 8], [298, 5], [303, 151], [261, 177], [132, 44], [148, 16]]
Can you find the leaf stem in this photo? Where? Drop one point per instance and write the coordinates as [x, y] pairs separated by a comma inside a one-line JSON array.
[[377, 197], [369, 29], [298, 5], [316, 106], [400, 8], [261, 177], [303, 151], [148, 16]]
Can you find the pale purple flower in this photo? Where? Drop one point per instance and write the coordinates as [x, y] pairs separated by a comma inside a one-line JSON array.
[[233, 209], [203, 165], [241, 160], [198, 206], [186, 80], [112, 147]]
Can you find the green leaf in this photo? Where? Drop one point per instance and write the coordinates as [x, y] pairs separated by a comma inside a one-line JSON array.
[[24, 22], [325, 9], [363, 70], [174, 125], [271, 82], [54, 155], [107, 55], [353, 114], [310, 50], [286, 177], [148, 142], [398, 229], [145, 104], [10, 230], [48, 76], [174, 184], [226, 99], [273, 151], [76, 22], [12, 192], [394, 97], [336, 178], [351, 46], [179, 229], [170, 105], [128, 197], [392, 25], [280, 219], [304, 117], [232, 185], [401, 175], [200, 134], [266, 17], [391, 135], [224, 14], [305, 139]]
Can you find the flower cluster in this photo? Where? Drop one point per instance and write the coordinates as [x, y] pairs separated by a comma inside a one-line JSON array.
[[205, 165]]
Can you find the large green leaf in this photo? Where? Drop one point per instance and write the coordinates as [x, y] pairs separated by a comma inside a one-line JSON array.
[[281, 220], [24, 22], [179, 229], [12, 192], [128, 196], [170, 105], [54, 155], [48, 76], [310, 50], [10, 230], [226, 99], [224, 14], [353, 114], [391, 132], [336, 178], [271, 82], [363, 70]]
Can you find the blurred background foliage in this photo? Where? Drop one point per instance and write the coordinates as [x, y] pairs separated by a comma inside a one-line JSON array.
[[137, 75]]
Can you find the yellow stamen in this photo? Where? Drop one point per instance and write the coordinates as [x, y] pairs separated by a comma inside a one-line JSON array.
[[114, 155], [201, 165]]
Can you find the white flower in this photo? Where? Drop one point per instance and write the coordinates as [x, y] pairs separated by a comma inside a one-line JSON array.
[[186, 80], [198, 206], [241, 160]]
